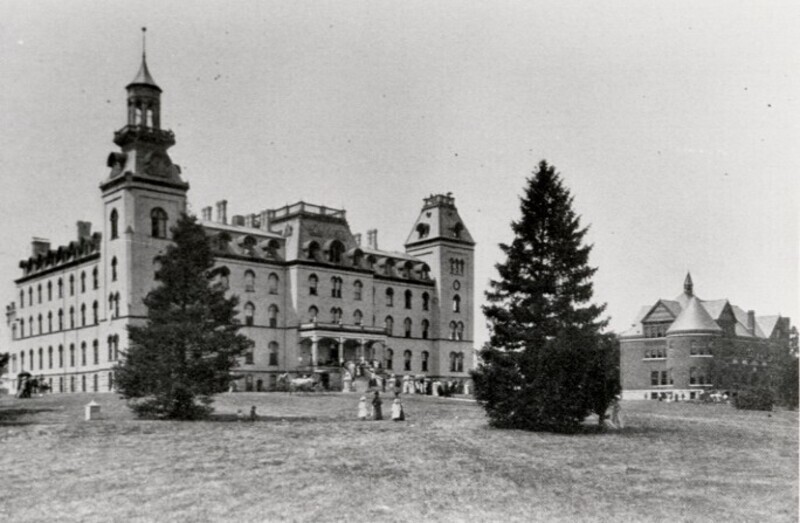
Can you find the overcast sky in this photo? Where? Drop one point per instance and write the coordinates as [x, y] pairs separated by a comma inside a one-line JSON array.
[[674, 124]]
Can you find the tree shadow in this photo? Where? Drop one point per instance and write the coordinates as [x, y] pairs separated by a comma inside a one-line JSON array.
[[228, 418], [10, 417]]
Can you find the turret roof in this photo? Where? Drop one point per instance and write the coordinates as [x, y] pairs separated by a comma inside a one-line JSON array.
[[694, 317], [143, 77]]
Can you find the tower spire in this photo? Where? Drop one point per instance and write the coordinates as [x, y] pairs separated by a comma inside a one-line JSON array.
[[144, 43], [688, 286]]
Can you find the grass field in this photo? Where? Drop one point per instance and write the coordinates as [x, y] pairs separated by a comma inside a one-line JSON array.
[[308, 459]]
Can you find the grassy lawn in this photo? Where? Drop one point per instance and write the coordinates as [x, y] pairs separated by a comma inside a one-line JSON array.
[[307, 458]]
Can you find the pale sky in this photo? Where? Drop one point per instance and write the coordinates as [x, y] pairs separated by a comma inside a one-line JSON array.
[[674, 124]]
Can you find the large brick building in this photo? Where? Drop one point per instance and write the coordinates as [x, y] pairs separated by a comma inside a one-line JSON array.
[[672, 346], [313, 296]]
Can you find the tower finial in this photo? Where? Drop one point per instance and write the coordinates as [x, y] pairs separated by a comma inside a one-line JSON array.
[[688, 286], [144, 42]]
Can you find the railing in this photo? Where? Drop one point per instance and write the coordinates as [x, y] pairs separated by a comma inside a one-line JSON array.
[[346, 327], [303, 207]]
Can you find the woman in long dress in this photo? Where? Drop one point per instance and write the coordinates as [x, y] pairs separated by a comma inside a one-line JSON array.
[[397, 410], [616, 414], [377, 413], [362, 408]]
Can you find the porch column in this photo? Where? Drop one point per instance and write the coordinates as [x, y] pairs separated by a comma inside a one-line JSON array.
[[361, 350], [314, 350], [340, 351]]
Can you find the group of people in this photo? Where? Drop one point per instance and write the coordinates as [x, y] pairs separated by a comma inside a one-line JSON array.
[[376, 412]]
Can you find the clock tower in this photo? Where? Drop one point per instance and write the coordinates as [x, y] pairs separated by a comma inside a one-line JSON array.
[[143, 197]]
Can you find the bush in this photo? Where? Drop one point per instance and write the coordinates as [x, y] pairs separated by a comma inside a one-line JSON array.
[[755, 398]]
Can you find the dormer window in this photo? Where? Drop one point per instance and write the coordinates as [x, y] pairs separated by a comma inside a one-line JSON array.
[[458, 228], [423, 229], [114, 219]]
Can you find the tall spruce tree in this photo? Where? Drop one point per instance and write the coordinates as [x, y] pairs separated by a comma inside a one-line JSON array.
[[185, 352], [547, 365]]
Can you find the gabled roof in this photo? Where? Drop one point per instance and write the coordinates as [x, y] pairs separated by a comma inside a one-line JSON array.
[[767, 324], [714, 307], [694, 318], [636, 327]]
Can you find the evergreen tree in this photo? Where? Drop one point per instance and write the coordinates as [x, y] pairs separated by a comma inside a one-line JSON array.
[[547, 365], [184, 354]]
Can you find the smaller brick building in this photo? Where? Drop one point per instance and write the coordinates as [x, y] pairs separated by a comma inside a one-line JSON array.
[[675, 348]]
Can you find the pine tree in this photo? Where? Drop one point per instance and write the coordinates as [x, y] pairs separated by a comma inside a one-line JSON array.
[[547, 365], [184, 354]]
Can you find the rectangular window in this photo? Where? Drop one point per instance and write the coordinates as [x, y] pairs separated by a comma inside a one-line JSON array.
[[273, 358], [248, 357], [664, 378], [654, 378]]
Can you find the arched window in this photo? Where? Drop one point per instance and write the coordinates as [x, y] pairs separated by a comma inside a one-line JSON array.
[[272, 283], [83, 383], [312, 250], [452, 362], [249, 281], [110, 341], [407, 360], [30, 295], [95, 315], [83, 354], [22, 327], [460, 331], [273, 315], [39, 293], [94, 383], [95, 352], [116, 305], [158, 223], [335, 251], [407, 327], [388, 324], [72, 317], [71, 354], [460, 362], [408, 299], [273, 353], [95, 279], [114, 222], [41, 358], [60, 356], [83, 281], [425, 357], [456, 303], [389, 297], [313, 312], [50, 357], [358, 317], [49, 291], [389, 359], [336, 287], [21, 299], [426, 299], [116, 347], [49, 321], [39, 321], [249, 313], [453, 328], [114, 268], [313, 282], [60, 287], [336, 315], [72, 285], [358, 289], [22, 361]]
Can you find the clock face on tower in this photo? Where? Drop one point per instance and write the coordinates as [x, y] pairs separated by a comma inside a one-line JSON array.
[[157, 163], [456, 285]]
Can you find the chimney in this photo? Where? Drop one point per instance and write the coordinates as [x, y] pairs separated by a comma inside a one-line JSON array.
[[372, 239], [84, 230], [237, 220], [263, 221], [206, 213], [357, 238], [39, 246], [222, 211], [751, 322], [249, 219]]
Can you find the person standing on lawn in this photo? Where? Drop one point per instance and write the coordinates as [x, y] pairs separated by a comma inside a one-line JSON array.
[[377, 413], [397, 410], [616, 414]]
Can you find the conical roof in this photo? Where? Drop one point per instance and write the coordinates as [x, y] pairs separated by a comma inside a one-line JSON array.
[[143, 77], [694, 318]]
